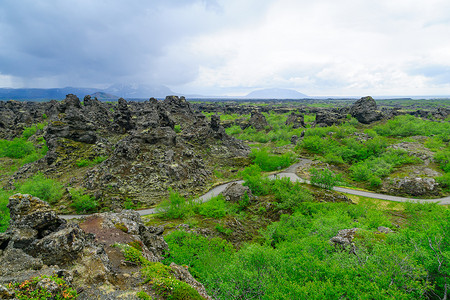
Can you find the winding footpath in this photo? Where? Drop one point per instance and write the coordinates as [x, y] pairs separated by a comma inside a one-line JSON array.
[[290, 173]]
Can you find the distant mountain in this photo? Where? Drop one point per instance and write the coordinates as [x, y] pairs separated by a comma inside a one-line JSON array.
[[139, 91], [40, 94], [275, 94], [115, 91], [102, 96]]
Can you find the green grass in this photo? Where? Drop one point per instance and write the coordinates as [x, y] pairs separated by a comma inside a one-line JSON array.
[[160, 277], [271, 162], [4, 211], [88, 163], [295, 260], [44, 188], [83, 202]]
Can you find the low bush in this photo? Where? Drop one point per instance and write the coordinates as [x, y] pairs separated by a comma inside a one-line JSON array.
[[271, 162], [444, 181], [443, 159], [177, 128], [88, 163], [82, 202], [17, 148], [44, 188], [255, 181], [289, 195], [176, 207], [32, 290], [4, 211], [160, 277], [216, 208], [324, 178]]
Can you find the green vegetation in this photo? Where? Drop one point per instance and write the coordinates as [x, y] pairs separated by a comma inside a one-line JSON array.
[[270, 162], [324, 178], [406, 125], [88, 163], [295, 260], [44, 188], [32, 290], [82, 202], [277, 133], [4, 211], [177, 128], [160, 277], [22, 151], [178, 207], [175, 207]]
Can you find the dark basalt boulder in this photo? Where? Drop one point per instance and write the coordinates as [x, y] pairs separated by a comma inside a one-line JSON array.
[[416, 186], [236, 192], [122, 117], [325, 118], [85, 253], [365, 110], [258, 121], [296, 120]]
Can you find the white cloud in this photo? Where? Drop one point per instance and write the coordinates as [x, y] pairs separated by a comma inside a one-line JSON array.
[[323, 47]]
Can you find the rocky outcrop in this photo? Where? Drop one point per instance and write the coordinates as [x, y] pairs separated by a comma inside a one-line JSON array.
[[296, 120], [181, 273], [258, 121], [145, 154], [235, 192], [344, 240], [87, 254], [415, 186], [365, 110], [330, 196], [326, 118], [38, 238]]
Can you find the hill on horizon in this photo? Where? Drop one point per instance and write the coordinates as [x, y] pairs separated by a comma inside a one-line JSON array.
[[275, 93]]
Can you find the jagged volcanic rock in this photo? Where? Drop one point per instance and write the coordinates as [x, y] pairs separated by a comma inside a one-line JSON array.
[[143, 153], [365, 110]]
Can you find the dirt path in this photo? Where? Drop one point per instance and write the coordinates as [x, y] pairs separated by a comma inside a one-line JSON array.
[[290, 172]]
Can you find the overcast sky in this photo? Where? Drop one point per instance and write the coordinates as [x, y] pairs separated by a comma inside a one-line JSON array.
[[229, 47]]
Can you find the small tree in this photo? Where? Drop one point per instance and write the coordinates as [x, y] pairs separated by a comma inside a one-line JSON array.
[[324, 178]]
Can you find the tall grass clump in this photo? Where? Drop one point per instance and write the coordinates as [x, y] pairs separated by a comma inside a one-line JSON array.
[[407, 125], [44, 188], [83, 202], [176, 206], [271, 162], [4, 211], [324, 178], [17, 148]]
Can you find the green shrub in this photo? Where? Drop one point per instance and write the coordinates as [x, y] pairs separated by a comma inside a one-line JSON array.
[[324, 178], [82, 202], [199, 253], [216, 208], [253, 179], [88, 163], [31, 290], [270, 162], [176, 207], [444, 181], [289, 195], [29, 131], [360, 172], [4, 211], [44, 188], [177, 128], [160, 277], [17, 148], [443, 159]]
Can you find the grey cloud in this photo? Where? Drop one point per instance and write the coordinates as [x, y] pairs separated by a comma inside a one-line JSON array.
[[439, 74], [89, 42]]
